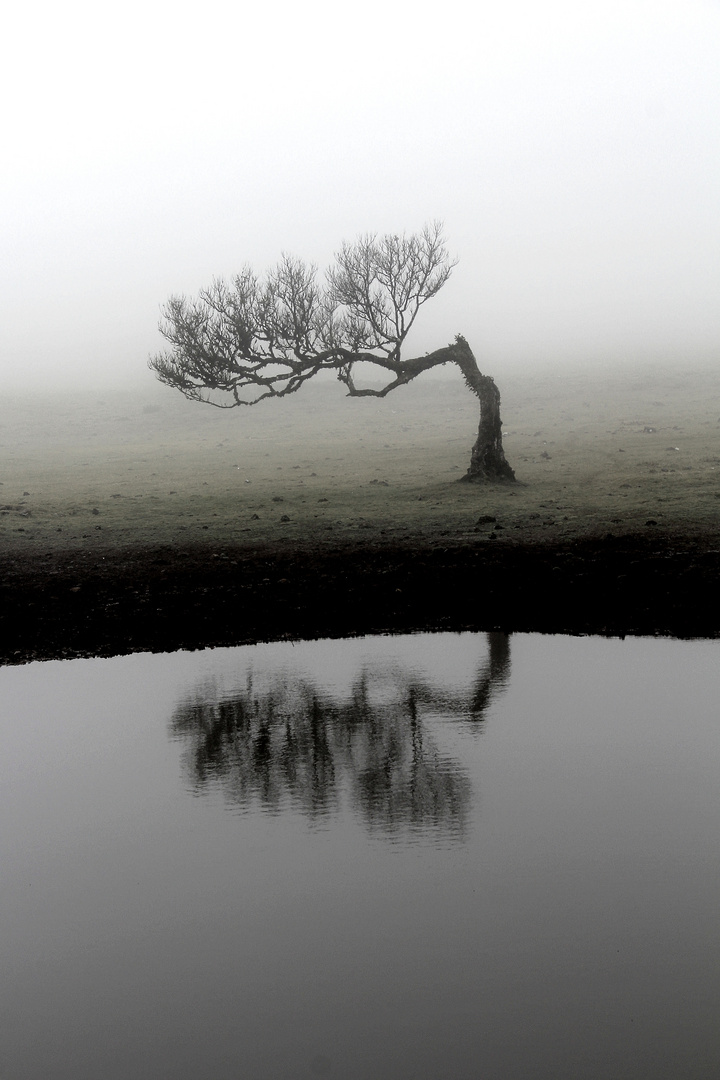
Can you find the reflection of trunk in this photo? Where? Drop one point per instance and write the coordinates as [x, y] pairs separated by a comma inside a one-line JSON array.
[[495, 675], [488, 461]]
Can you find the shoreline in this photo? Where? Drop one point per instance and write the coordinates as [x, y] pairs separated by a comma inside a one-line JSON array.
[[160, 598]]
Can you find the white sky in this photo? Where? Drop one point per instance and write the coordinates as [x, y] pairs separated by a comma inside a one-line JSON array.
[[571, 148]]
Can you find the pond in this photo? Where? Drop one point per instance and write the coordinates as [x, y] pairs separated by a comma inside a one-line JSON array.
[[432, 857]]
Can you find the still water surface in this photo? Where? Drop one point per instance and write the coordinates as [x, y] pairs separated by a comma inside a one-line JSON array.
[[439, 857]]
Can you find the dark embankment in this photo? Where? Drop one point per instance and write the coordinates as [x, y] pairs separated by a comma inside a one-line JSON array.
[[166, 598]]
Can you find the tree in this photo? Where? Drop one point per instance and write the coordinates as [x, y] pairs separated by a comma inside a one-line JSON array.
[[243, 341]]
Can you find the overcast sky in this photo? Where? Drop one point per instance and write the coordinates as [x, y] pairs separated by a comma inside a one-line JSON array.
[[571, 149]]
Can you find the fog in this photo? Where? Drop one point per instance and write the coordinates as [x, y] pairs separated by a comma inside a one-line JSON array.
[[572, 151]]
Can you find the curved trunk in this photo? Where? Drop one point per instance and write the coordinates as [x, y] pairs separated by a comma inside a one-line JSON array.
[[487, 461]]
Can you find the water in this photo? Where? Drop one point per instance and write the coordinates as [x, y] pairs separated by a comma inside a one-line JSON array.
[[441, 857]]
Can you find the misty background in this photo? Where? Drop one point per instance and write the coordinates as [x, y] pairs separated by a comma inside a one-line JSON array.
[[572, 151]]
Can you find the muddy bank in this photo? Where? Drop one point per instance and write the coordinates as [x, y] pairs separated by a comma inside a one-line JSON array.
[[163, 598]]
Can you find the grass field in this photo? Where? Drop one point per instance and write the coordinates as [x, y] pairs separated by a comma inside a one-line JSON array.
[[593, 451]]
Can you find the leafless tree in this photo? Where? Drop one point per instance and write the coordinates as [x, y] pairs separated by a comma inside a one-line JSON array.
[[249, 339]]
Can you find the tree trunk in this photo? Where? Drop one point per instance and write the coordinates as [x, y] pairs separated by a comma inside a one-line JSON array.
[[487, 461]]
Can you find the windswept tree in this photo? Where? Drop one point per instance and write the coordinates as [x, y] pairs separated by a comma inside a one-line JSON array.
[[243, 341]]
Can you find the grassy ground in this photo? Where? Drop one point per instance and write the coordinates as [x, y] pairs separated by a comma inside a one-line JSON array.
[[593, 452], [142, 521]]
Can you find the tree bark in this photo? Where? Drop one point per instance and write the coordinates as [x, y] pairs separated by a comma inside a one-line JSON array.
[[487, 461]]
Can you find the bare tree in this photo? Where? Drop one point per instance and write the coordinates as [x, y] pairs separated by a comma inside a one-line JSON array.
[[249, 339]]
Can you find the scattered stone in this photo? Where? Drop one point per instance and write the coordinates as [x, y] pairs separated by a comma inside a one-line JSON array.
[[486, 519], [284, 518], [651, 521], [95, 511], [277, 498], [255, 517]]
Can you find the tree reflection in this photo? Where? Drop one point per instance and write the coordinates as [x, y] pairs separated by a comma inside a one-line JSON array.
[[283, 741]]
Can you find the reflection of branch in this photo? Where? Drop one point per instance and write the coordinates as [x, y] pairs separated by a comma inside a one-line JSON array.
[[491, 679], [290, 743], [267, 747]]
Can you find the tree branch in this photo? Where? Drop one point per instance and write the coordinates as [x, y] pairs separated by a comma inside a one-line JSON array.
[[248, 340]]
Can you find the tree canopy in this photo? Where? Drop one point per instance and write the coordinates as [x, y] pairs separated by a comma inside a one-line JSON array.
[[252, 338]]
